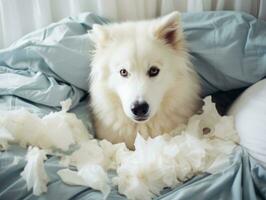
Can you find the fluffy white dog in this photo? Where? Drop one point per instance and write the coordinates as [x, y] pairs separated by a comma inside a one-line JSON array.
[[141, 79]]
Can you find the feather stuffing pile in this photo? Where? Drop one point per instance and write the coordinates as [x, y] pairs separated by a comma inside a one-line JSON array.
[[203, 145], [34, 173]]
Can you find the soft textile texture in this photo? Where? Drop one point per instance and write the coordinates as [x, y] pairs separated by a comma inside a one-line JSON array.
[[250, 119], [52, 64], [228, 50]]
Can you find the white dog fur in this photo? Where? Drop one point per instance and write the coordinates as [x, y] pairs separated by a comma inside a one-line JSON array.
[[172, 95]]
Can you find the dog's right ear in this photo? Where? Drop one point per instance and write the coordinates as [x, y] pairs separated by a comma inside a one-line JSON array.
[[168, 28], [99, 35]]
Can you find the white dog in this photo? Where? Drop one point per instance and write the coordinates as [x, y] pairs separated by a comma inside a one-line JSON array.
[[141, 79]]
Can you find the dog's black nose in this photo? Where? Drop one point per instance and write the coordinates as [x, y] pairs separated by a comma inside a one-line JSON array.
[[140, 109]]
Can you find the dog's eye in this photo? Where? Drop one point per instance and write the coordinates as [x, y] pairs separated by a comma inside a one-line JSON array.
[[123, 73], [153, 71]]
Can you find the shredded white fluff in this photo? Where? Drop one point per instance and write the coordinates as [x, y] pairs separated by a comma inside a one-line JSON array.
[[112, 153], [71, 177], [89, 175], [66, 105], [164, 161], [96, 178], [203, 145], [92, 160], [5, 138], [34, 173], [28, 129], [88, 153]]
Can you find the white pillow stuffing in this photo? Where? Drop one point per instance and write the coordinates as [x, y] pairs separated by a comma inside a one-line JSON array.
[[203, 145], [90, 175], [5, 138], [34, 173], [47, 132]]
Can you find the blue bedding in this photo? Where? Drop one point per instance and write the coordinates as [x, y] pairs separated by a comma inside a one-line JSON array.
[[47, 66]]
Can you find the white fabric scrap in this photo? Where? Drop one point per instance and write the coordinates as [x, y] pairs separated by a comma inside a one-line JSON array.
[[207, 119], [66, 105], [88, 153], [71, 177], [92, 159], [25, 127], [96, 178], [112, 153], [34, 173], [145, 172], [56, 130], [90, 175], [5, 138]]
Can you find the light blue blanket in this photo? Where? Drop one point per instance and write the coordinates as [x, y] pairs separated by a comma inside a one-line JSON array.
[[52, 64]]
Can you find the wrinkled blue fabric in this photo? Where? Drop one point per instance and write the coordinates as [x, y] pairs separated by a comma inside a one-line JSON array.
[[228, 50]]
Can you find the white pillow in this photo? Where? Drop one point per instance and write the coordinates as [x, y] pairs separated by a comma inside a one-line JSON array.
[[250, 120]]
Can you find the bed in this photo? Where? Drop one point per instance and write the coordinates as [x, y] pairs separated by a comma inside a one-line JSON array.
[[52, 64]]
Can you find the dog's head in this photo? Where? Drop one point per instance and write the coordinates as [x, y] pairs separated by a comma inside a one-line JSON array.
[[140, 62]]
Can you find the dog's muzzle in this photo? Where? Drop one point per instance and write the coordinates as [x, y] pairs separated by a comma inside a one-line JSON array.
[[140, 110]]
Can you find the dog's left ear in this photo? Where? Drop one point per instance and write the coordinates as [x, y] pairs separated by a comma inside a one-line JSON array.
[[98, 34], [168, 28]]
